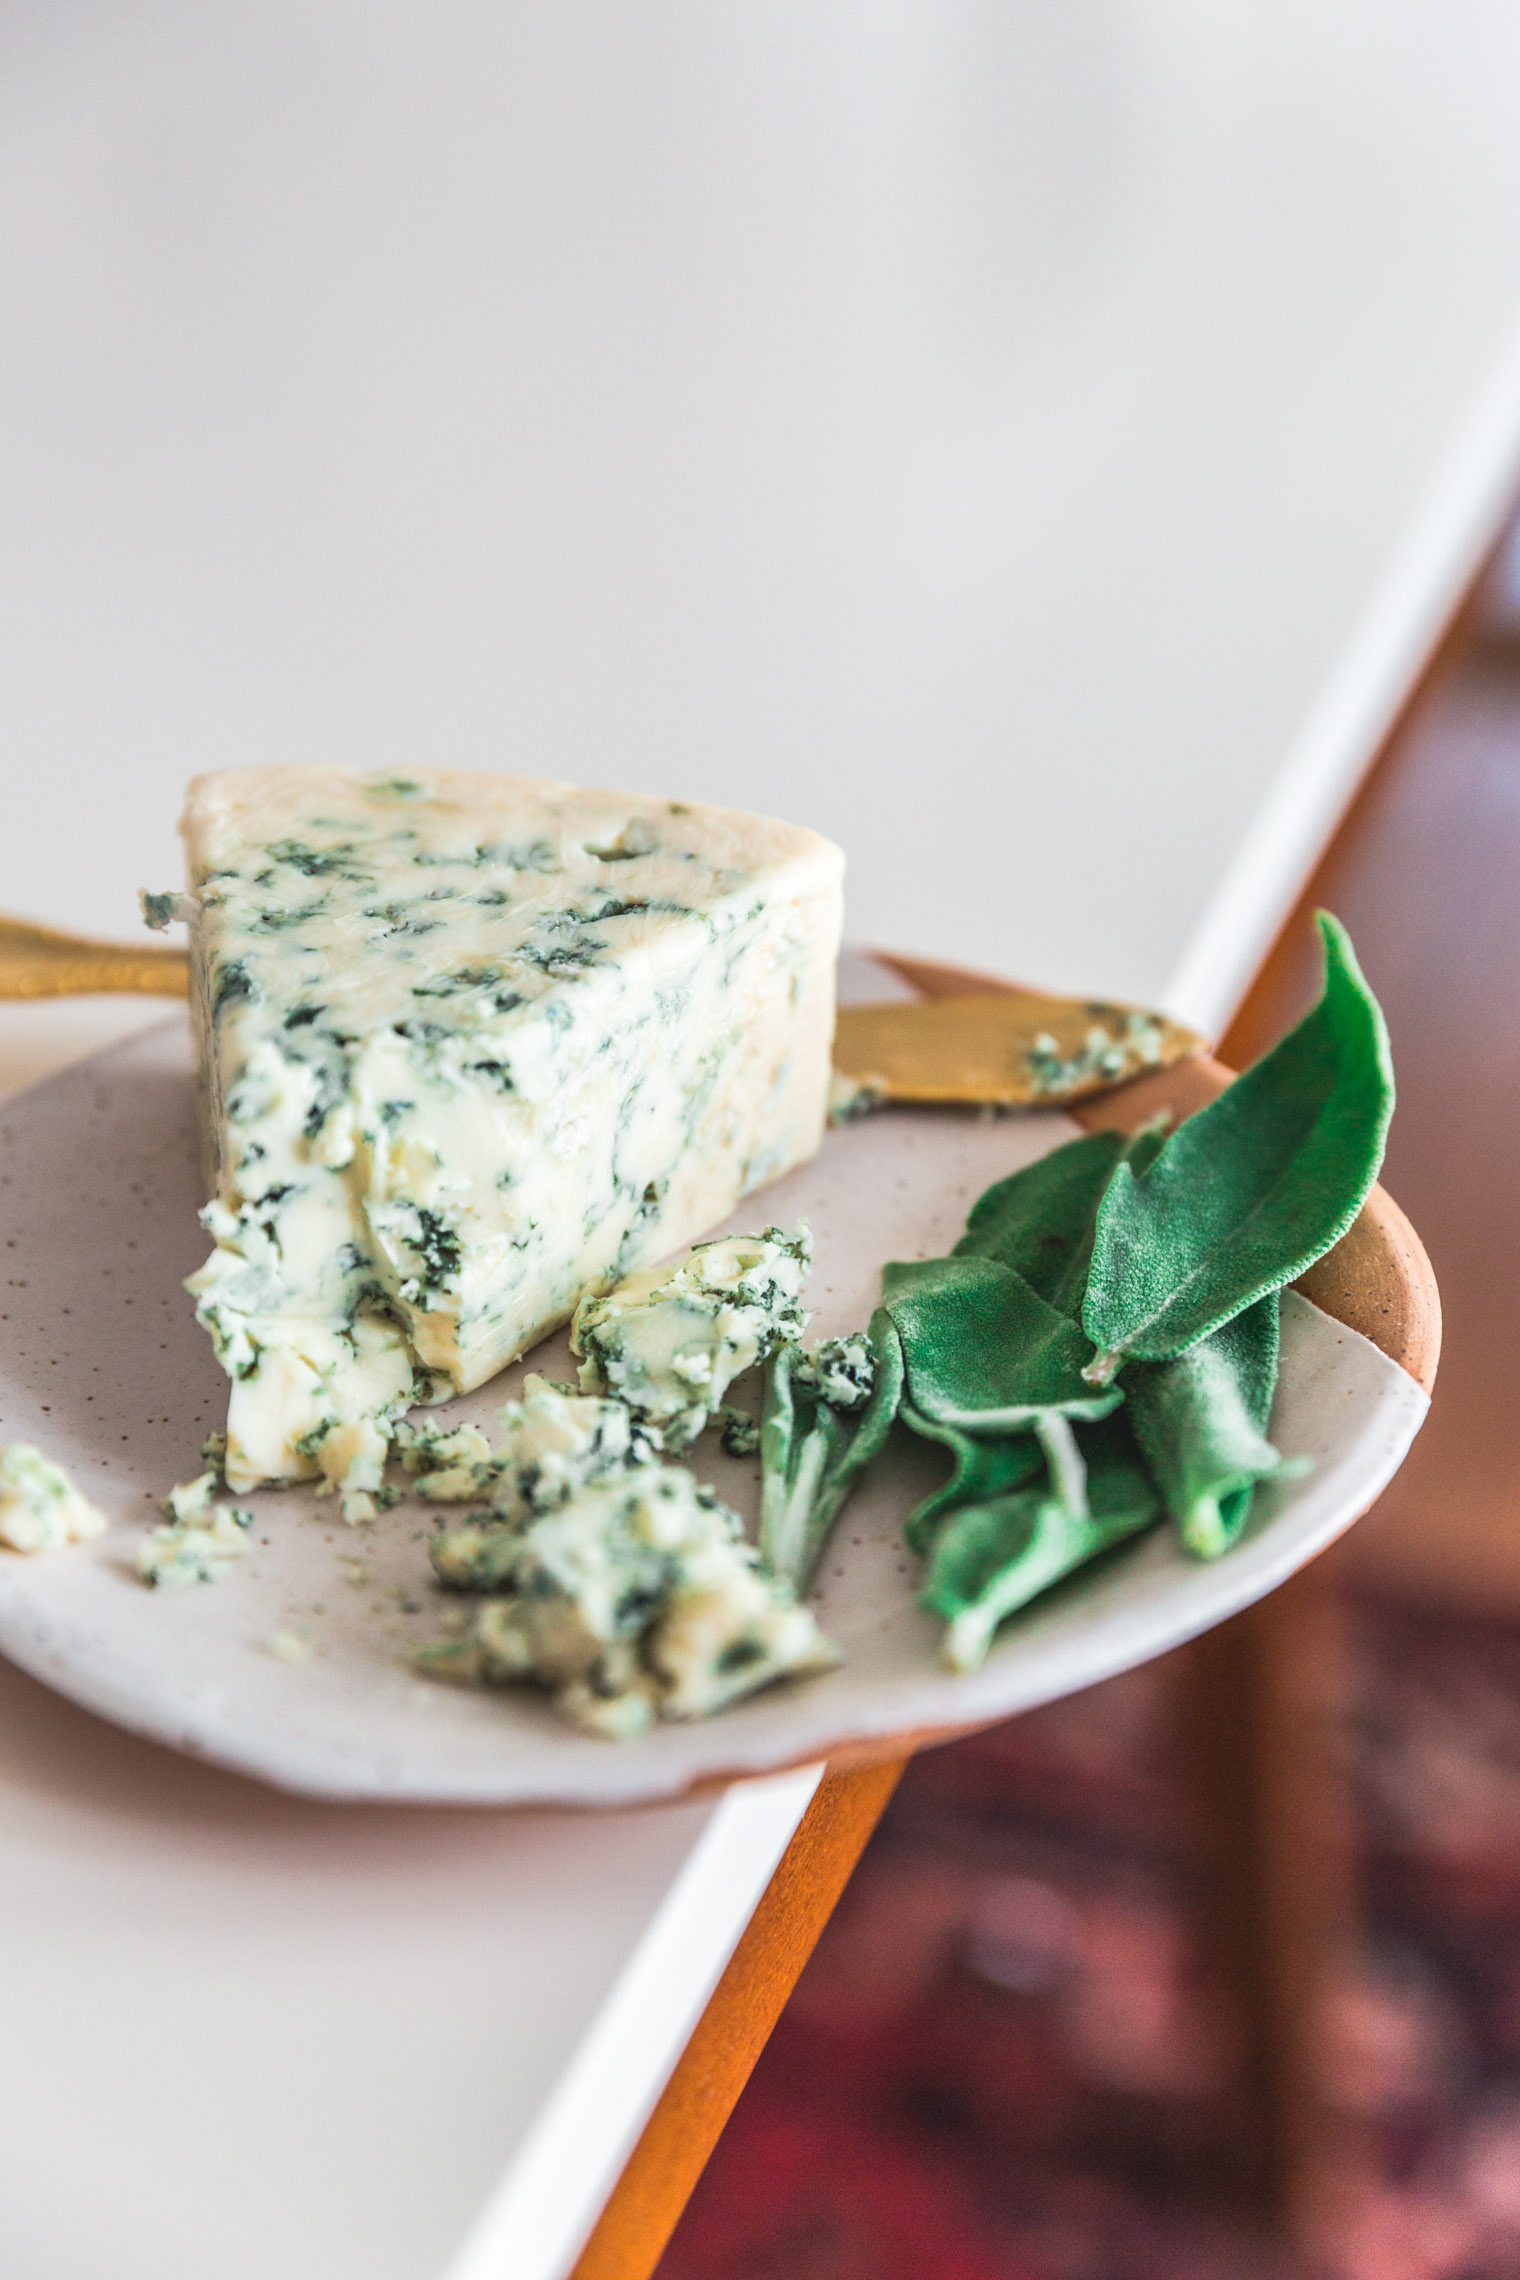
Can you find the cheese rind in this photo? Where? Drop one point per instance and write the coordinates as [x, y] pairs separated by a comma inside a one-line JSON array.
[[469, 1048]]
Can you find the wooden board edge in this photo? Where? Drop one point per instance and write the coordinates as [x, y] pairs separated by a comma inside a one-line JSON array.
[[1400, 1314], [661, 2173]]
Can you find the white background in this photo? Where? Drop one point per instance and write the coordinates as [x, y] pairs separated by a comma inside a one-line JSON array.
[[975, 429]]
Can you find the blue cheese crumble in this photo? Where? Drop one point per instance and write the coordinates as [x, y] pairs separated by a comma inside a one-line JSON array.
[[190, 1501], [552, 1443], [40, 1508], [470, 1047], [555, 1444], [450, 1467], [635, 1599], [852, 1097], [1104, 1056], [199, 1540], [671, 1341], [840, 1371]]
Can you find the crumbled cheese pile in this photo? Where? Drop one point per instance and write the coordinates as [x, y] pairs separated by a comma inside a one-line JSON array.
[[40, 1507], [449, 1466], [612, 1577], [604, 1573], [634, 1601], [842, 1372], [615, 1579]]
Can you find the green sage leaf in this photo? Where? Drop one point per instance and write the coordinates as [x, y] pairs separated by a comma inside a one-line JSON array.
[[1201, 1420], [980, 1471], [984, 1353], [1251, 1190], [991, 1559], [982, 1350], [1041, 1221]]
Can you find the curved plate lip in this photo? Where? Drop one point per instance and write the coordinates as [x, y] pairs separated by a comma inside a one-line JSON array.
[[1100, 1624], [1207, 1595]]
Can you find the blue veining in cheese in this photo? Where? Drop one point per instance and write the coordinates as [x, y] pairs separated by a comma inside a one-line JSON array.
[[469, 1048]]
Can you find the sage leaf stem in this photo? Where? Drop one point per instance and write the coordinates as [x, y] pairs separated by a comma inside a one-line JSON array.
[[812, 1453], [1068, 1470]]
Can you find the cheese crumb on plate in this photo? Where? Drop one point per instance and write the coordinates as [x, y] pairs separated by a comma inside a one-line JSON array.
[[632, 1598], [40, 1508], [199, 1540], [670, 1342]]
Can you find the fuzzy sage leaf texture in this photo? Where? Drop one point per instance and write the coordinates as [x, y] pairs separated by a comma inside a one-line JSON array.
[[1200, 1420], [1165, 1253], [1251, 1190], [980, 1471], [1042, 1220], [982, 1349]]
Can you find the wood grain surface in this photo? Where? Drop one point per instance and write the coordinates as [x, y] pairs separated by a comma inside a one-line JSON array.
[[672, 2151]]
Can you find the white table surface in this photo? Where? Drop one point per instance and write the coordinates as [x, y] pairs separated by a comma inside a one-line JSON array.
[[1035, 445]]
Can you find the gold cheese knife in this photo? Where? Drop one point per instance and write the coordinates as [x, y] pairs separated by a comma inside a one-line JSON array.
[[1004, 1047], [37, 963], [1012, 1049]]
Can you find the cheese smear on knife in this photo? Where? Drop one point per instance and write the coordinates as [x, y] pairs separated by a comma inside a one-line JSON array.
[[470, 1047]]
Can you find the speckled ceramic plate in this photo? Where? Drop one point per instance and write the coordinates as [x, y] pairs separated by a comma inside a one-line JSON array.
[[101, 1364]]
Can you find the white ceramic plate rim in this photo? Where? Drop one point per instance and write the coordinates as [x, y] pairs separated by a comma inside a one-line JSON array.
[[165, 1669]]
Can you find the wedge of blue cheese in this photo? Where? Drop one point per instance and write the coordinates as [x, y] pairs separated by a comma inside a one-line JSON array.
[[470, 1047]]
